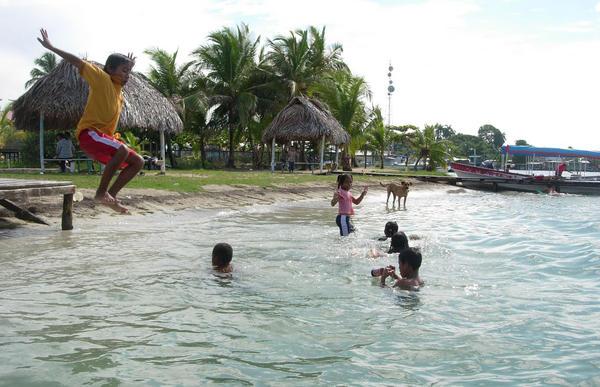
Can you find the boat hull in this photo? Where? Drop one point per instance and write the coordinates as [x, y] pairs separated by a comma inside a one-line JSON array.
[[490, 179]]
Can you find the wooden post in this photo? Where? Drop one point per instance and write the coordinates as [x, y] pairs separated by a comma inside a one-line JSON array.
[[322, 153], [273, 155], [336, 156], [67, 212], [163, 165], [42, 169]]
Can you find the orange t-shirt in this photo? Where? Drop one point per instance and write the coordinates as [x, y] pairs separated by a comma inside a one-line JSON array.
[[104, 101]]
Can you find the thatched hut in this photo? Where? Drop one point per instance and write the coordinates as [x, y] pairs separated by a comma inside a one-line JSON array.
[[305, 119], [56, 102]]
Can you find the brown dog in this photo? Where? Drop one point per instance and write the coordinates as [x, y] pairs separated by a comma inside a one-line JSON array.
[[398, 190]]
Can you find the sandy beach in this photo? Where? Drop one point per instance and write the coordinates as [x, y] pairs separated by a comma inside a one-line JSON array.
[[149, 201]]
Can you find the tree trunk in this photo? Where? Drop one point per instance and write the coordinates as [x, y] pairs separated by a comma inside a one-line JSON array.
[[417, 162], [382, 150], [202, 152], [230, 162]]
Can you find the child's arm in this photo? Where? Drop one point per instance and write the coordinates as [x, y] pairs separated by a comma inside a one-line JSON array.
[[72, 59], [361, 197], [336, 198]]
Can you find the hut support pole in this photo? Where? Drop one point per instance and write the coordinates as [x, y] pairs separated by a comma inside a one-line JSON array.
[[322, 153], [42, 169], [163, 164], [336, 155], [273, 155]]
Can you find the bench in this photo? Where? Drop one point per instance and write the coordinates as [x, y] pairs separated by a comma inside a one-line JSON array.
[[90, 163], [327, 165]]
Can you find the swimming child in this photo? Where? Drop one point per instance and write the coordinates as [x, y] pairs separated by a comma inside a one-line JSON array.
[[221, 258], [345, 199], [390, 229], [97, 126], [409, 262], [398, 243]]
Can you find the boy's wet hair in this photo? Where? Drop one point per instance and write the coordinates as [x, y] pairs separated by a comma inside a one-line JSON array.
[[399, 242], [412, 256], [222, 254], [115, 60], [342, 178], [390, 229]]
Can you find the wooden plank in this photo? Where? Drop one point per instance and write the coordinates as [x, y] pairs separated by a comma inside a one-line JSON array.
[[10, 184], [26, 193], [22, 213]]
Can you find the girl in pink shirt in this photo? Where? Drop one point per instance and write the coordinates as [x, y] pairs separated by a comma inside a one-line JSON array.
[[345, 199]]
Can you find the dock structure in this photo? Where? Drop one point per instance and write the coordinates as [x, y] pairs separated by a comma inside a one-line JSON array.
[[17, 190]]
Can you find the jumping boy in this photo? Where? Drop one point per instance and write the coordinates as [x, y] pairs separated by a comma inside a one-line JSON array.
[[96, 128], [221, 258], [409, 262]]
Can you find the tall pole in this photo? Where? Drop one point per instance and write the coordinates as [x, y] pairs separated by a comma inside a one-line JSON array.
[[390, 91]]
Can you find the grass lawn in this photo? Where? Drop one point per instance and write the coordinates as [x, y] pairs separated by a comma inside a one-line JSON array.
[[194, 180]]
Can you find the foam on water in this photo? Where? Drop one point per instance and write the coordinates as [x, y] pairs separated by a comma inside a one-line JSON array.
[[511, 296]]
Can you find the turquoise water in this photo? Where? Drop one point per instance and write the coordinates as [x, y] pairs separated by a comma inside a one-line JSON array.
[[512, 296]]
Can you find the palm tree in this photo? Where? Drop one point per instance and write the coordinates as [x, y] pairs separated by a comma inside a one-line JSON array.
[[229, 59], [378, 135], [172, 81], [345, 95], [302, 58], [45, 64], [427, 147]]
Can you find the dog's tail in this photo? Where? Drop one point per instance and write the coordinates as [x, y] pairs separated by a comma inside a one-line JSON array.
[[383, 185]]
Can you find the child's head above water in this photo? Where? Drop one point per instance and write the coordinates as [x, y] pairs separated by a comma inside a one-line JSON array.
[[390, 229], [119, 66], [344, 181], [221, 256], [399, 242], [409, 262]]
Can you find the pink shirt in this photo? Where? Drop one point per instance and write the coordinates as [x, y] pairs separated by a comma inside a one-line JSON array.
[[345, 202]]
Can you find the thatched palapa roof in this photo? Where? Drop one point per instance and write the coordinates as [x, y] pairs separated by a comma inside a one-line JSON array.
[[305, 119], [62, 95]]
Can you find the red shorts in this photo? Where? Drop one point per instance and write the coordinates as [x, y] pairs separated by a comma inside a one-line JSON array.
[[100, 146]]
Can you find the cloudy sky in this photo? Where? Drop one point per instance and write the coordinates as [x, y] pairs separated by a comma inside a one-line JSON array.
[[528, 67]]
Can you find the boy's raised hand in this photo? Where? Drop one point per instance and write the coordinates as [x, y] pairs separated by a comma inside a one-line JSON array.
[[44, 41]]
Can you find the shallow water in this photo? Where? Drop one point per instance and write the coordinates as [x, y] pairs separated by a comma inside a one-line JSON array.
[[511, 296]]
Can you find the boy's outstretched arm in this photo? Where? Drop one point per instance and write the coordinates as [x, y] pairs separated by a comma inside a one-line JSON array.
[[72, 59]]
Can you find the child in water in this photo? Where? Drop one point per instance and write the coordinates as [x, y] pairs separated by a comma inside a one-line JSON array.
[[221, 258], [390, 229], [345, 199], [409, 262], [398, 243]]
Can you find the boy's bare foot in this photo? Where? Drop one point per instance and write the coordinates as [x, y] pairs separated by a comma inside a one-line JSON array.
[[104, 198], [109, 201], [117, 206]]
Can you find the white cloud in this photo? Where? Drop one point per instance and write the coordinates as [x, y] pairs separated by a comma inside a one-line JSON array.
[[598, 7]]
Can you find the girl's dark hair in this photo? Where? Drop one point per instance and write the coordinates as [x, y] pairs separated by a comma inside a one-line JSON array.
[[390, 229], [399, 242], [114, 60], [342, 178]]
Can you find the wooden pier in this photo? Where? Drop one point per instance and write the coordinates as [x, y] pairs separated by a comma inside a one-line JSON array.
[[17, 190]]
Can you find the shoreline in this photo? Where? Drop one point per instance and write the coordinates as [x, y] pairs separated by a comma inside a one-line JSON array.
[[149, 201]]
